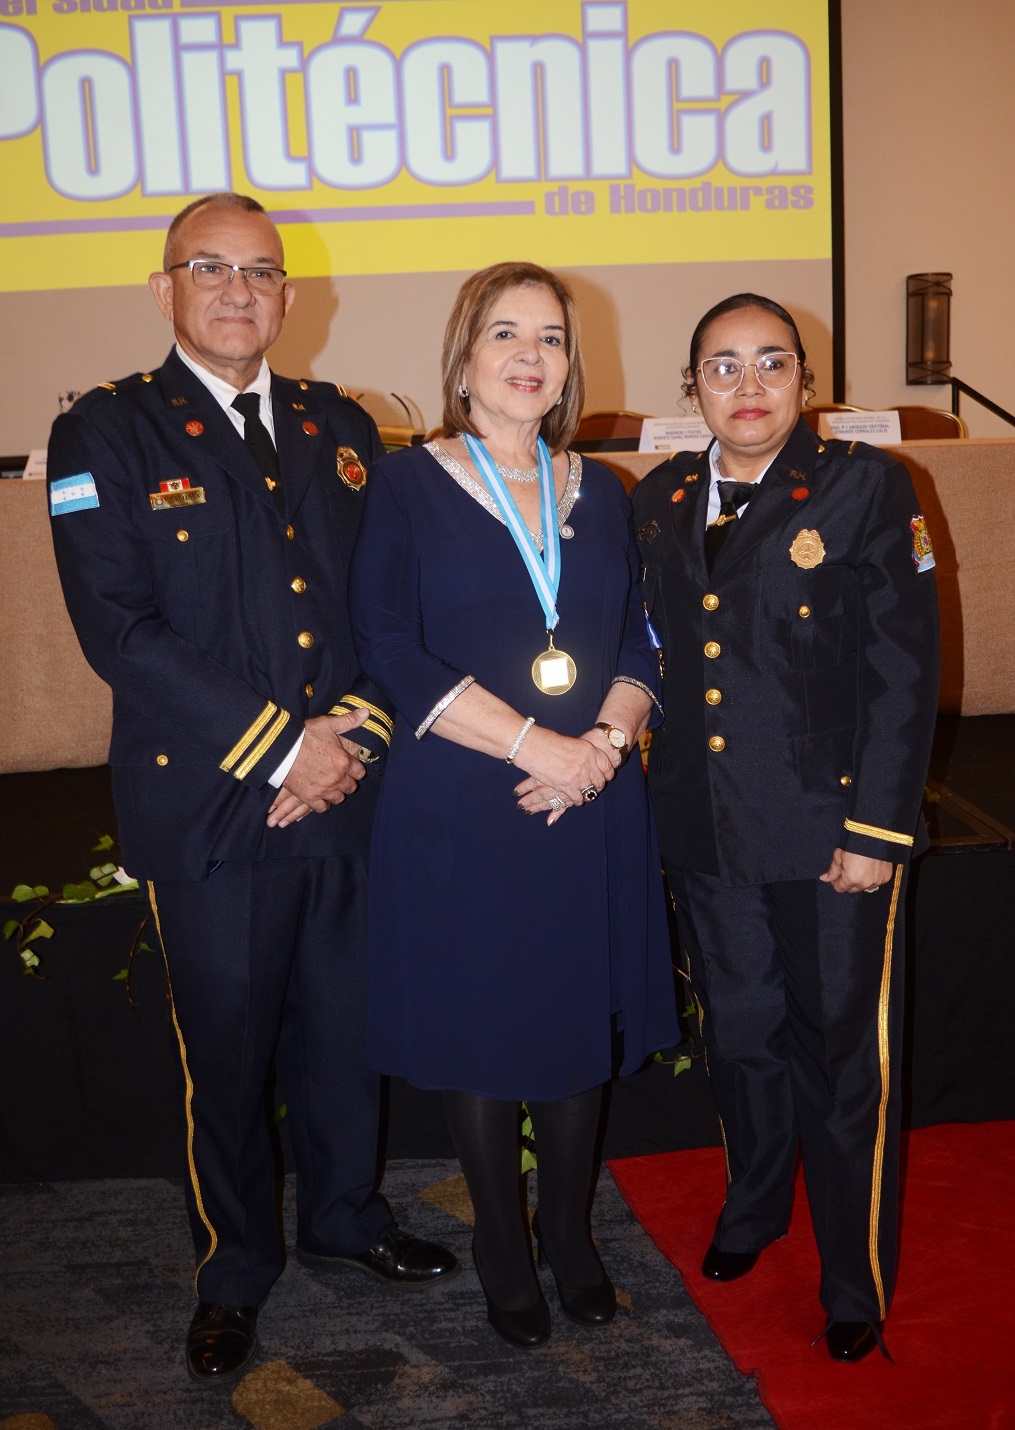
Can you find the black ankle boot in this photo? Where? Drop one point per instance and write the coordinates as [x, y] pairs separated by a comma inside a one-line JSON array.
[[528, 1328], [593, 1306]]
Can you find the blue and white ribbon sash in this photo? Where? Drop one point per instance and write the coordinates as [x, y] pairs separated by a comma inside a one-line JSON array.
[[543, 568]]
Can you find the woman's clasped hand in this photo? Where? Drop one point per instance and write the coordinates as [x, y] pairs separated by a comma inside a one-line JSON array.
[[563, 769]]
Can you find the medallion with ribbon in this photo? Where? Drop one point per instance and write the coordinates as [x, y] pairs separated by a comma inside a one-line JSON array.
[[553, 671]]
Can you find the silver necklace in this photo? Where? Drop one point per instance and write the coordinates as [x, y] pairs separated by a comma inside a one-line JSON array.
[[519, 474]]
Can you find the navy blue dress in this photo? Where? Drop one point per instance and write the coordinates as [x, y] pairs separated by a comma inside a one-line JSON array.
[[500, 947]]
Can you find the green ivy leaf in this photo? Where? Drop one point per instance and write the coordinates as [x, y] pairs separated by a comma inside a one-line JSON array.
[[529, 1163], [10, 928], [681, 1065], [40, 929], [121, 976], [29, 959], [281, 1113], [106, 841], [79, 893], [21, 893], [40, 891], [145, 948], [102, 871]]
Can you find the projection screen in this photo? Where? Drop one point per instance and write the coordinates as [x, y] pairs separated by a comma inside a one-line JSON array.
[[663, 153]]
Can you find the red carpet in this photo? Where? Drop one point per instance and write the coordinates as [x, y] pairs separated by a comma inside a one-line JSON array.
[[951, 1331]]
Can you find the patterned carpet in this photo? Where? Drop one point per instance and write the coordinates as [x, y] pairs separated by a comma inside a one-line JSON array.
[[95, 1300]]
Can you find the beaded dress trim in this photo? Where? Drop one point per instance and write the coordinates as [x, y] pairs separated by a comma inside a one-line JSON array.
[[479, 493]]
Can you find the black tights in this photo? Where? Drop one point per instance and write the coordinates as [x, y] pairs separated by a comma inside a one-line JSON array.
[[486, 1136]]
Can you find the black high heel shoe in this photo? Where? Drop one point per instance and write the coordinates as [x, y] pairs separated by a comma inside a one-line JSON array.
[[528, 1328], [594, 1306]]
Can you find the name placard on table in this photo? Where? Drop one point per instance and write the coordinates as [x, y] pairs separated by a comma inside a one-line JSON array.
[[673, 434], [880, 429]]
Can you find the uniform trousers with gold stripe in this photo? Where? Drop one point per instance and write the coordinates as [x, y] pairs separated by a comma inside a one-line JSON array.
[[266, 965], [800, 994]]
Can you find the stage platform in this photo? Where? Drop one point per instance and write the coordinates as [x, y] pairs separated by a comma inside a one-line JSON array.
[[88, 1076]]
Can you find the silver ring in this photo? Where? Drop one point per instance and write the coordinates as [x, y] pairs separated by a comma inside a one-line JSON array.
[[557, 803], [589, 793], [873, 889]]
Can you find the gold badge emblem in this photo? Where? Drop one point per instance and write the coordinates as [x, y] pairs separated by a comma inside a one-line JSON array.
[[808, 549], [350, 468]]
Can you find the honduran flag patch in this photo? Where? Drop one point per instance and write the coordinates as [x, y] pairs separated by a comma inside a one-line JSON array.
[[72, 494]]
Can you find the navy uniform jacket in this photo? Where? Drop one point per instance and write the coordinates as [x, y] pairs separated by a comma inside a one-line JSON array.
[[800, 684], [220, 625]]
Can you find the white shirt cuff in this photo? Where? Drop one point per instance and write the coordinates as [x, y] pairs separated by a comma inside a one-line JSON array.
[[278, 778]]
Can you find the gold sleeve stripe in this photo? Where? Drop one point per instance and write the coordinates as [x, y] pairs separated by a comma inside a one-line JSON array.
[[274, 730], [377, 729], [251, 733], [875, 833], [879, 1139], [358, 704], [213, 1240]]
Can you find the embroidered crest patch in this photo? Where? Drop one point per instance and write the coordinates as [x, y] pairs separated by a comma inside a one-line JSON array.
[[923, 551]]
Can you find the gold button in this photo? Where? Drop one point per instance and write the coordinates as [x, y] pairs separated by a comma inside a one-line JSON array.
[[290, 533], [146, 377], [298, 584], [710, 602], [183, 536], [717, 743], [713, 696], [162, 759], [804, 611], [712, 649], [308, 691], [303, 385], [305, 639], [845, 781]]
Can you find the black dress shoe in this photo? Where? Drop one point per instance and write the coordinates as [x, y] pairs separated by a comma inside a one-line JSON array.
[[852, 1340], [221, 1342], [727, 1265], [593, 1306], [397, 1259], [528, 1328]]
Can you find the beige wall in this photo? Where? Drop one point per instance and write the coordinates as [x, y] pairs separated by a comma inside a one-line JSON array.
[[929, 134]]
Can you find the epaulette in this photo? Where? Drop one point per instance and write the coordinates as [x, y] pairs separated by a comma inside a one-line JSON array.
[[110, 389]]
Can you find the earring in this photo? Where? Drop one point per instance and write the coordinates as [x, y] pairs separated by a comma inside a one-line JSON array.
[[560, 399], [463, 392]]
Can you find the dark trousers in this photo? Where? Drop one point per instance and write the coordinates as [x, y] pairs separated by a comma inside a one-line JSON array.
[[799, 992], [267, 962]]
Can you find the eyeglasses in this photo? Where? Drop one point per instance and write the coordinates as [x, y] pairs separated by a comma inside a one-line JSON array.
[[723, 375], [208, 273]]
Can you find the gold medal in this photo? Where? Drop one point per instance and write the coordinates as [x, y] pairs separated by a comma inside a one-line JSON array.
[[553, 671]]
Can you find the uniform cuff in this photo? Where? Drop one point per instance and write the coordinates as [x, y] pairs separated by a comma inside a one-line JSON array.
[[255, 756]]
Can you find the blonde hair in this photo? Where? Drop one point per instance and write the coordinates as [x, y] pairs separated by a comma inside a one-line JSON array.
[[476, 298]]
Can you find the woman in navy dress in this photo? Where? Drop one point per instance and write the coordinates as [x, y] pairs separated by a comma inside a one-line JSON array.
[[511, 955]]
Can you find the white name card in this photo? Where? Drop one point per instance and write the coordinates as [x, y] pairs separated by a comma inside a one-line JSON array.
[[880, 429], [35, 468], [674, 434]]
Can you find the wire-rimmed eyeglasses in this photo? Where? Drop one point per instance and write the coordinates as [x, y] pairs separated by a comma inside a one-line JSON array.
[[723, 375], [210, 273]]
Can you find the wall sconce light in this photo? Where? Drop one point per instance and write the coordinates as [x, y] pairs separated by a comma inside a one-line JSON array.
[[928, 328]]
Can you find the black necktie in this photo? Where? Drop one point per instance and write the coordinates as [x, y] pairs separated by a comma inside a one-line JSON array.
[[731, 495], [259, 444]]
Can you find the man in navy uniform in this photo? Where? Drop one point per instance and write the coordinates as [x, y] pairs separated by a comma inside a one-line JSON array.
[[203, 517]]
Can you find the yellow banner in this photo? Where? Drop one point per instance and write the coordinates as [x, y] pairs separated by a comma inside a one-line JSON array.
[[414, 135]]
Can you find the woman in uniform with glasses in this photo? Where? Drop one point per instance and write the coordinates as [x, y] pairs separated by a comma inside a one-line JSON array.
[[788, 581]]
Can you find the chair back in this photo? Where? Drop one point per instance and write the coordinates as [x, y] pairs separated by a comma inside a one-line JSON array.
[[929, 423]]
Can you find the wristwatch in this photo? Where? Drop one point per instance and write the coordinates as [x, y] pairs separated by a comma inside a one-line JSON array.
[[615, 736]]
